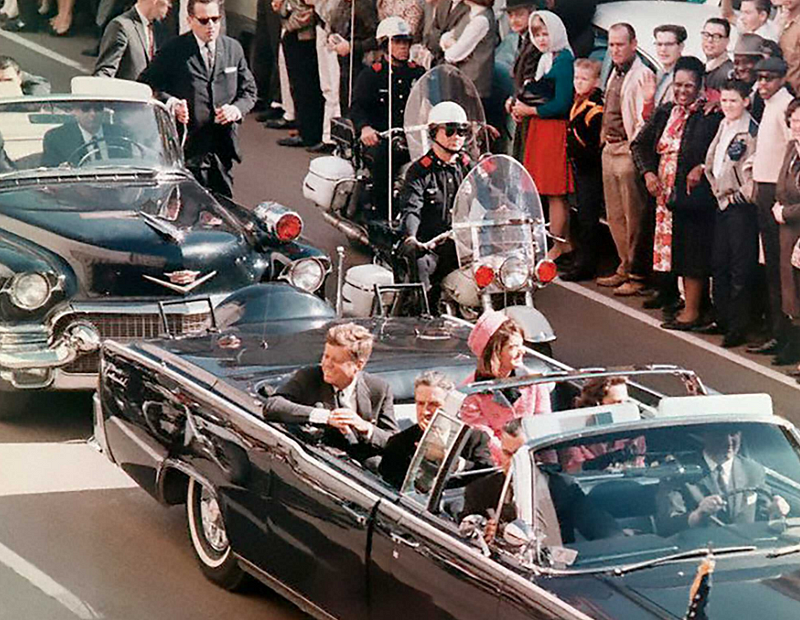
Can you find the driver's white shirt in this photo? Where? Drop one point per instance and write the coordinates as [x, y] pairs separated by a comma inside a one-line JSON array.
[[726, 465], [101, 144]]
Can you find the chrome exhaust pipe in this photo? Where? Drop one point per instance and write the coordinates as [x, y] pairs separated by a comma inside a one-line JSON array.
[[350, 230]]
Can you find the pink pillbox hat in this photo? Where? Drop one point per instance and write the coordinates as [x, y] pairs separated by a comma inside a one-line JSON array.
[[485, 327]]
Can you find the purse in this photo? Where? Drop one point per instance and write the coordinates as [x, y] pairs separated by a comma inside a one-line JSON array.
[[537, 92]]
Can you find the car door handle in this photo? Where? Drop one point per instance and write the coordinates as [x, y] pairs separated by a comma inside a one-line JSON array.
[[403, 541]]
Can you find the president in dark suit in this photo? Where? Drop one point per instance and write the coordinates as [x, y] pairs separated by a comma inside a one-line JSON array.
[[724, 494], [357, 408], [87, 139], [131, 40], [430, 393], [204, 78]]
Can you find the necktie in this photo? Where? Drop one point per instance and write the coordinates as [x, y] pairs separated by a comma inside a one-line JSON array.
[[209, 57], [723, 487], [151, 43]]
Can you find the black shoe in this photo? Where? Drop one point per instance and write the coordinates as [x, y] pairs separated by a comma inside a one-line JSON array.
[[787, 355], [765, 348], [578, 274], [564, 260], [714, 329], [733, 339], [92, 52], [17, 25], [280, 123], [291, 141], [680, 326], [269, 114], [322, 148]]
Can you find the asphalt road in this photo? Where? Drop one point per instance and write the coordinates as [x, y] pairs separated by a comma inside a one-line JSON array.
[[78, 540]]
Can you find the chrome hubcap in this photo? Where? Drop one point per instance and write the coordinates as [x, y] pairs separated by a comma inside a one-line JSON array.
[[211, 518]]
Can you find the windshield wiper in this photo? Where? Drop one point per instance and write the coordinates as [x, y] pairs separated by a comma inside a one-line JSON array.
[[700, 552]]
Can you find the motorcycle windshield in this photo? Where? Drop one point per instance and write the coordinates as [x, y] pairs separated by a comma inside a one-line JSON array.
[[497, 215], [442, 83]]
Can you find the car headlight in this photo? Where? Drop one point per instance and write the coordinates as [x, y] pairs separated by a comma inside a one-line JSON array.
[[306, 274], [513, 274], [29, 291]]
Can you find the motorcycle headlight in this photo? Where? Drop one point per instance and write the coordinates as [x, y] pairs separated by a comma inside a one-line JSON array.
[[306, 274], [513, 274], [29, 291]]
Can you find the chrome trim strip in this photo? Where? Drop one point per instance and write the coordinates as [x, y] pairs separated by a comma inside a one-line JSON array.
[[301, 453], [99, 427], [285, 591]]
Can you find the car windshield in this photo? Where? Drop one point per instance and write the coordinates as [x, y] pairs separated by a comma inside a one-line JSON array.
[[636, 496], [74, 136]]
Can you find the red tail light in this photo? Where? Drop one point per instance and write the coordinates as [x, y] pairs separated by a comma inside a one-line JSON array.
[[484, 276], [546, 271], [289, 227]]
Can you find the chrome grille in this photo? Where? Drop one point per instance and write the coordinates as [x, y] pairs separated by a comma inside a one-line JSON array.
[[126, 327]]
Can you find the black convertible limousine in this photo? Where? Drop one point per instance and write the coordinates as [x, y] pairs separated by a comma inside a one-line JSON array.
[[183, 418]]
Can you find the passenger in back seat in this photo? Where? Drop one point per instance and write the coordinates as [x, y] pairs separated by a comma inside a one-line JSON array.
[[430, 393]]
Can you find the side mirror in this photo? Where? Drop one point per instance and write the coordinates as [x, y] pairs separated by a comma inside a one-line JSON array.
[[518, 533]]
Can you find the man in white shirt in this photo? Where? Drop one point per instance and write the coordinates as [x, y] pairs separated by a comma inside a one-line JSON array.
[[773, 138], [723, 495], [670, 41], [754, 17]]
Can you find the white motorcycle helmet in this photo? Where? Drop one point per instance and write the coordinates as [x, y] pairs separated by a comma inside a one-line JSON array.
[[392, 27], [444, 113]]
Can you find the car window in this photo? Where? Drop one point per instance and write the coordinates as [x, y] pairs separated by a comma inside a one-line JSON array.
[[76, 135], [630, 496]]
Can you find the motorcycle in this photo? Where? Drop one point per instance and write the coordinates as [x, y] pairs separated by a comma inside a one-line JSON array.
[[501, 244]]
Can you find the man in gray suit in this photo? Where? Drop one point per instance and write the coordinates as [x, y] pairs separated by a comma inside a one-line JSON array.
[[131, 40], [732, 489], [357, 408]]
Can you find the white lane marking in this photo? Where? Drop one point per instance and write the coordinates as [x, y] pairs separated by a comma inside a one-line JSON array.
[[686, 337], [27, 469], [47, 584], [15, 38]]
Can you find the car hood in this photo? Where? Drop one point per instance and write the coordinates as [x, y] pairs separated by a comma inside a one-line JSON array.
[[126, 241], [742, 587]]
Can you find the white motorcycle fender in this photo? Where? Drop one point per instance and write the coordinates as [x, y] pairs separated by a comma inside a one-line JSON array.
[[536, 327]]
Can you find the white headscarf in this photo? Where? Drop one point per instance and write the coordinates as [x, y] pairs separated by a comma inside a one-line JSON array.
[[558, 39]]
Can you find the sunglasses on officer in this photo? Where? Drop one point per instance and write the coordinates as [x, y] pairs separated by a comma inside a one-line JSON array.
[[205, 20], [451, 129]]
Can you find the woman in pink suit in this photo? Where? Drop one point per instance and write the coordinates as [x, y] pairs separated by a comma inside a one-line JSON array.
[[497, 342]]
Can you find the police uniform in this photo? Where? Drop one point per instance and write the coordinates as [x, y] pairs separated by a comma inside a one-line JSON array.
[[370, 108], [427, 198]]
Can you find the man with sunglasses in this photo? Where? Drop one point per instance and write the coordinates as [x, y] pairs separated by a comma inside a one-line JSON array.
[[204, 79], [428, 194]]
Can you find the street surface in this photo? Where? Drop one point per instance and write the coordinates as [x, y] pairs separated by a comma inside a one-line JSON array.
[[79, 540]]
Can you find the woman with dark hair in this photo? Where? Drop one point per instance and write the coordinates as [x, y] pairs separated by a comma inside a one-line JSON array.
[[787, 213], [497, 342], [670, 153]]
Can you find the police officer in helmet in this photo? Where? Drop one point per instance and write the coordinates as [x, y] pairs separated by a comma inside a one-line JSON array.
[[429, 192], [370, 107]]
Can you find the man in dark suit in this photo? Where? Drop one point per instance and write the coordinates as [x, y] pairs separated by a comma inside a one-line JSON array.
[[131, 40], [87, 139], [357, 407], [204, 79], [562, 506], [430, 393], [724, 494]]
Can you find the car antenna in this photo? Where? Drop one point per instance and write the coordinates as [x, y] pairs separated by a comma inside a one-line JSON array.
[[339, 278]]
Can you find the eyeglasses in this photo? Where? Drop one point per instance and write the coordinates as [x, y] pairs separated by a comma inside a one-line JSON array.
[[213, 19], [712, 36], [451, 129], [768, 77]]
